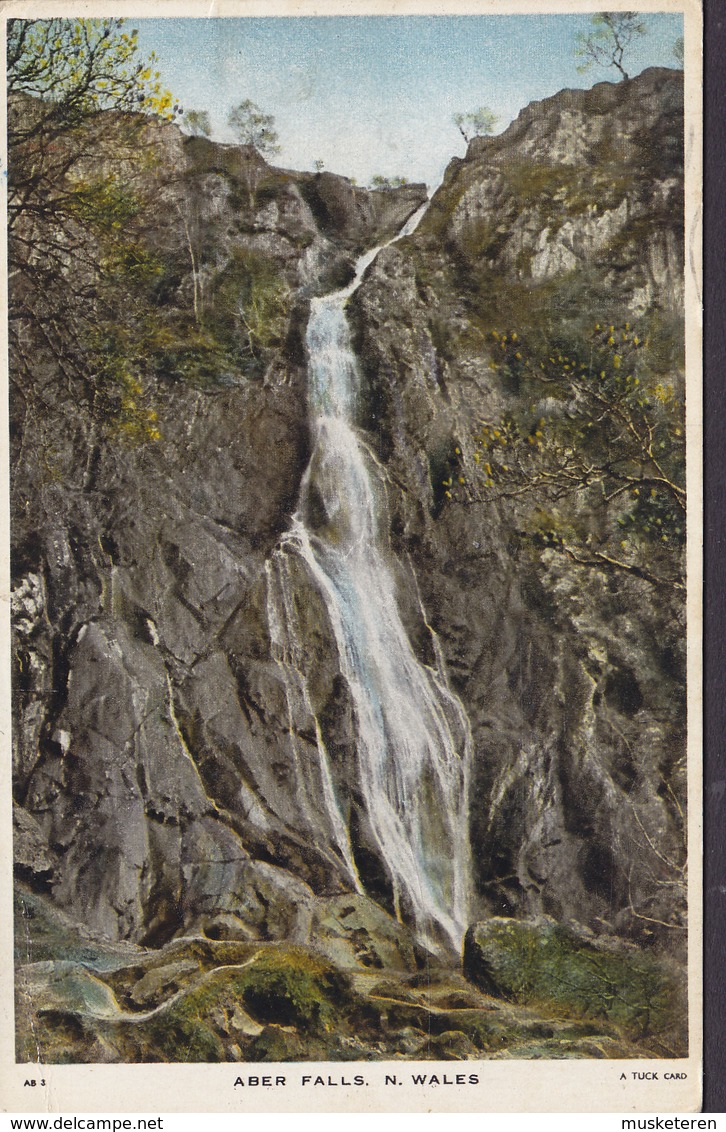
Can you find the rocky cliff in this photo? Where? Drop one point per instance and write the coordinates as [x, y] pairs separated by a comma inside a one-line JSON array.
[[168, 772], [569, 662], [150, 747]]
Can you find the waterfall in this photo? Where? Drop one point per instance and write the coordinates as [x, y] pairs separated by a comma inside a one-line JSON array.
[[413, 739]]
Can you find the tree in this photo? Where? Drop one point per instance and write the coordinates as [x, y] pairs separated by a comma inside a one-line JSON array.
[[60, 74], [82, 111], [197, 123], [597, 458], [475, 124], [251, 126], [78, 67], [611, 36]]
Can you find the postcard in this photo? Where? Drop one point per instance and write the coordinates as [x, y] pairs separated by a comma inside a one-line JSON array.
[[352, 655]]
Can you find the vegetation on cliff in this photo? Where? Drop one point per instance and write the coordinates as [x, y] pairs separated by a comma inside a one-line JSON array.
[[523, 373], [603, 465], [589, 429], [528, 340]]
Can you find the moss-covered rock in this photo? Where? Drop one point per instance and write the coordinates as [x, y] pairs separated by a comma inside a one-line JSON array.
[[550, 964], [453, 1045], [294, 987], [199, 1000], [275, 1044]]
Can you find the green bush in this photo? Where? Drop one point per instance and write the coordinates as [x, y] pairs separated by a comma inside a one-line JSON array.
[[550, 964]]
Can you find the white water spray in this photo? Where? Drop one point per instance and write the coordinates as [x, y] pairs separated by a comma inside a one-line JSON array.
[[413, 738]]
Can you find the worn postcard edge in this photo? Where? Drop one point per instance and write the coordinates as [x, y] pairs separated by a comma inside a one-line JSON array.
[[516, 1086]]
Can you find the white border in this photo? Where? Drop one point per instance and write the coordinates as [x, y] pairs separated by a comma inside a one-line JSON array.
[[504, 1085]]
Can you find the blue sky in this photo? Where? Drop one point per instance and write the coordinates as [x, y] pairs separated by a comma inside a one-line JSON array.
[[376, 94]]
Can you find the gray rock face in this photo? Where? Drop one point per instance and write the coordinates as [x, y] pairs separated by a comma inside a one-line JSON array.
[[168, 778], [575, 181], [572, 678], [155, 788], [345, 211]]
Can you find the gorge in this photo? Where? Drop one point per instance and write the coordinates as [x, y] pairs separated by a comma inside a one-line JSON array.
[[314, 682]]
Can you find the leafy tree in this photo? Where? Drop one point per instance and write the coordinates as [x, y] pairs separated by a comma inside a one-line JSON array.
[[60, 74], [248, 311], [81, 105], [476, 124], [318, 165], [197, 123], [81, 66], [611, 36], [251, 126], [599, 453]]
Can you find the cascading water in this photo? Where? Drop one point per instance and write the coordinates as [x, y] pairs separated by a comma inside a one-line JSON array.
[[413, 739]]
